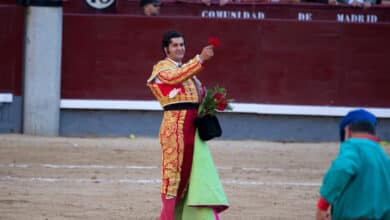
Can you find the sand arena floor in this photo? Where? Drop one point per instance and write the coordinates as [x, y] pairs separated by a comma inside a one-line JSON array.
[[119, 178]]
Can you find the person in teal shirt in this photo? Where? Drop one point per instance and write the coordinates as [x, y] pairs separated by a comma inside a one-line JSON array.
[[357, 184]]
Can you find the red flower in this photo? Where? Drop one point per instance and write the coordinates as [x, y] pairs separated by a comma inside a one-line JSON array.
[[214, 41], [222, 105], [214, 101], [218, 96]]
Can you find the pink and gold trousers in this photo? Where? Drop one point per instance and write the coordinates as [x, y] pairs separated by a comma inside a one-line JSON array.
[[177, 144]]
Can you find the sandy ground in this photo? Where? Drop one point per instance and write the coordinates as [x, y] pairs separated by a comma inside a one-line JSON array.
[[119, 178]]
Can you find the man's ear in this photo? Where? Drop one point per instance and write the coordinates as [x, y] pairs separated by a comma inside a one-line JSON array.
[[347, 132], [166, 51]]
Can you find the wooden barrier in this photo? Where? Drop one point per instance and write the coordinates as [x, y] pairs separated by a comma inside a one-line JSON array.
[[275, 58]]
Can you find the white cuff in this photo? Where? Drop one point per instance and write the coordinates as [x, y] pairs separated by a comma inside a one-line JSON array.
[[199, 59]]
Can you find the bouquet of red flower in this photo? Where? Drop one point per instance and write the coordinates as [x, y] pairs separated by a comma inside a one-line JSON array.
[[207, 123], [214, 101]]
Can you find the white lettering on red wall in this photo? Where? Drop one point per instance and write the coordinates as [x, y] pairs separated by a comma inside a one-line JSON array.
[[357, 18], [233, 14], [304, 16], [301, 16]]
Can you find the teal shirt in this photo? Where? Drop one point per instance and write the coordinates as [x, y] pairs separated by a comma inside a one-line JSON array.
[[357, 184]]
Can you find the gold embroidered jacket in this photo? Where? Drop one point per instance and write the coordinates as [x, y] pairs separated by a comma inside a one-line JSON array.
[[171, 84]]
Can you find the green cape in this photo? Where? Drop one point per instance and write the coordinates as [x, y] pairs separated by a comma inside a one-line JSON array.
[[205, 191]]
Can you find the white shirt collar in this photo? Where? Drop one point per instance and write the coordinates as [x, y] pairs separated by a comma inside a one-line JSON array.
[[176, 63]]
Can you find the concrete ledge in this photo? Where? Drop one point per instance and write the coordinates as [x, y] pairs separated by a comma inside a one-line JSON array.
[[234, 125], [109, 104], [6, 97], [252, 108], [10, 113]]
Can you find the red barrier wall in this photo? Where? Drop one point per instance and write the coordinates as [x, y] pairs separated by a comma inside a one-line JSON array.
[[11, 47], [276, 61]]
